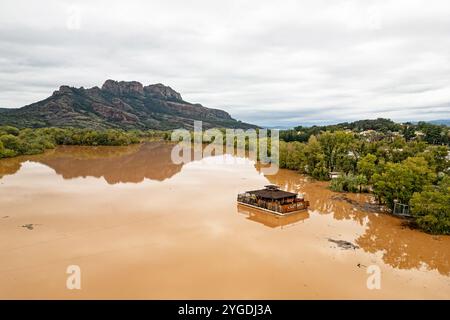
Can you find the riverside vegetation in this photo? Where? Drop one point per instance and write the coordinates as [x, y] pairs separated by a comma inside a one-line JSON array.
[[408, 164], [15, 142], [404, 163]]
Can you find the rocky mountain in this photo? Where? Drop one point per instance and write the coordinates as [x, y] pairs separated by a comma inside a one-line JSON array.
[[124, 104]]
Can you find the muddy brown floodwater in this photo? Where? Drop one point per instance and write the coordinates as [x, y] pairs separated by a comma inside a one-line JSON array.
[[140, 227]]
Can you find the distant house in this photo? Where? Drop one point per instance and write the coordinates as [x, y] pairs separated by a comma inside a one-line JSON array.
[[392, 135], [371, 135], [367, 133]]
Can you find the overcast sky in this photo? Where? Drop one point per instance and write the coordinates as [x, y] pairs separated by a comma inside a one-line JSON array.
[[274, 63]]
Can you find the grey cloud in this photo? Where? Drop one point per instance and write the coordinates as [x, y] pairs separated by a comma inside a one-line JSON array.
[[264, 62]]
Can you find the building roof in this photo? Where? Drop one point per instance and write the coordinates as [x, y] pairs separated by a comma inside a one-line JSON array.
[[272, 192]]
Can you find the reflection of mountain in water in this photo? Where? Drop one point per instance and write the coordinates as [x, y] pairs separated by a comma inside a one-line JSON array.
[[151, 161], [10, 166], [115, 164], [402, 248], [270, 220]]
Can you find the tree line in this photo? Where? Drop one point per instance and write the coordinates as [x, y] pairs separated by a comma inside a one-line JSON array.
[[15, 142], [428, 132]]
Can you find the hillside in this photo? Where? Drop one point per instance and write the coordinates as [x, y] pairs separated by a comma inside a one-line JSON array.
[[445, 122], [124, 105]]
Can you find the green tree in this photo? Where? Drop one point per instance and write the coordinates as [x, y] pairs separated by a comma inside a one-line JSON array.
[[335, 145], [315, 161], [367, 166], [399, 181], [295, 158], [431, 207], [361, 181], [437, 156]]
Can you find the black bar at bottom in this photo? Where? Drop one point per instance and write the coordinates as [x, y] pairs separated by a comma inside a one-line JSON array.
[[225, 309]]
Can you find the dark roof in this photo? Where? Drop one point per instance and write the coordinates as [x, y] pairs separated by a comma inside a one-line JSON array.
[[272, 193]]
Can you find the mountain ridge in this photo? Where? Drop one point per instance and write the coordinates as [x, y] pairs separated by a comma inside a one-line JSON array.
[[445, 122], [118, 105]]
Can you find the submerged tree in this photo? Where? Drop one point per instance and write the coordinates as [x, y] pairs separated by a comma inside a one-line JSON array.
[[399, 181], [431, 207]]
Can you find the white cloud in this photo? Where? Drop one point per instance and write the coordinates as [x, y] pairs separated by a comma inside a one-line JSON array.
[[272, 63]]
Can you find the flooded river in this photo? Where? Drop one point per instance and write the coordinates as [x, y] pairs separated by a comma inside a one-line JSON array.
[[141, 227]]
